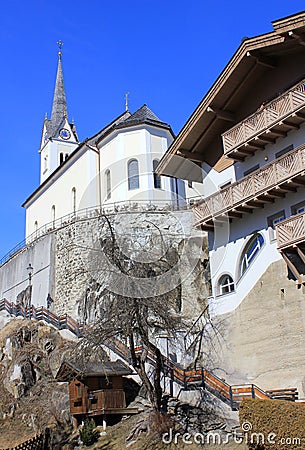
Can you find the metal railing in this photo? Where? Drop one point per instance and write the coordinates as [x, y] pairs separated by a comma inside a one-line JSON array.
[[269, 115], [186, 378], [129, 206]]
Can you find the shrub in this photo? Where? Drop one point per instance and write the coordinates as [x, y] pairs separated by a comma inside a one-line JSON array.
[[273, 424], [87, 433]]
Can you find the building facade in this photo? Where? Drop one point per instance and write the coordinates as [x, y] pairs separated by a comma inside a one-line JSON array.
[[251, 126]]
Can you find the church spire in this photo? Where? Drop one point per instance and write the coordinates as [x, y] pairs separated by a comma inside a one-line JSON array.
[[59, 106]]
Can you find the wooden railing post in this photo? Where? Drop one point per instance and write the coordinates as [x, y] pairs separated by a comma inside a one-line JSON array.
[[171, 382], [231, 398], [202, 378], [184, 379]]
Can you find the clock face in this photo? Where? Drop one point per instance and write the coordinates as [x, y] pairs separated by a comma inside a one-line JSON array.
[[64, 133]]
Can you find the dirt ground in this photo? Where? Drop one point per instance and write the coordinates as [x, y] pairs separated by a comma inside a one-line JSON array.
[[115, 439]]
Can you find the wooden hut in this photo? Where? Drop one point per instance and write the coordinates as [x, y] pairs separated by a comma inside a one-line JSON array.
[[95, 388]]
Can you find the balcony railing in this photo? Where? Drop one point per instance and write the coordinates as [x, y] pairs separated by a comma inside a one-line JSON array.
[[107, 399], [254, 188], [291, 231], [272, 113]]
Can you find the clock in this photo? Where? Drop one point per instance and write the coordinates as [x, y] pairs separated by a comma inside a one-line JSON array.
[[64, 133]]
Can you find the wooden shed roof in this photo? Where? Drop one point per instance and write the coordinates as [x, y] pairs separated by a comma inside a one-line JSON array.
[[69, 370]]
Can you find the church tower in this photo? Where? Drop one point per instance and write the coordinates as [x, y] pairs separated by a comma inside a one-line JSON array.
[[59, 137]]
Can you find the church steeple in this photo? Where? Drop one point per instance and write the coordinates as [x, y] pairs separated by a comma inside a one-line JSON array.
[[59, 106], [59, 137]]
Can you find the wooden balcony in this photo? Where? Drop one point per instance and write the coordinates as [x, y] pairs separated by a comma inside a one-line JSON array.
[[271, 121], [290, 235], [107, 400], [291, 232], [274, 180]]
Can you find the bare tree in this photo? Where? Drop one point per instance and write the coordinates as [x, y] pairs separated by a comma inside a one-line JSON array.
[[136, 319]]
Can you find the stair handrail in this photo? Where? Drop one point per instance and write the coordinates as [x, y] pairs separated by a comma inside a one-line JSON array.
[[177, 372]]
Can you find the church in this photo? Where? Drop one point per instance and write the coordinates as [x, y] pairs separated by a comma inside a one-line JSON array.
[[115, 168]]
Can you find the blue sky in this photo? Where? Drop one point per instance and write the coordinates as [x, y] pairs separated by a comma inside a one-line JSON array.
[[165, 53]]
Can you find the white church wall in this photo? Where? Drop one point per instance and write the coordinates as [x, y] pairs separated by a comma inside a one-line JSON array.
[[50, 156], [14, 277], [144, 144], [77, 173]]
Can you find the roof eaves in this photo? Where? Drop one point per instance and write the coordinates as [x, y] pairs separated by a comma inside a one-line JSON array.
[[246, 46]]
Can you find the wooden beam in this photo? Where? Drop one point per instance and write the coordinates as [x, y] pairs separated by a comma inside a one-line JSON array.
[[235, 215], [291, 267], [258, 204], [244, 151], [300, 114], [207, 227], [277, 132], [298, 182], [236, 157], [255, 146], [220, 114], [284, 188], [294, 126], [301, 254], [264, 139], [275, 194], [297, 37], [267, 200], [262, 61], [245, 209], [192, 156]]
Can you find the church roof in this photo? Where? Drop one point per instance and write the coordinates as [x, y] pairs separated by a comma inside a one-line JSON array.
[[59, 114], [143, 115], [59, 106]]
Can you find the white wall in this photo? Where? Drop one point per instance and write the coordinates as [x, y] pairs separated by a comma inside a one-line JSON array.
[[80, 172], [145, 144], [228, 241], [212, 181], [14, 276]]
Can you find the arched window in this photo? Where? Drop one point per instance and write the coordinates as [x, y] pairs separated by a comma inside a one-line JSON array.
[[225, 284], [133, 174], [250, 251], [53, 216], [157, 179], [36, 227], [74, 199], [108, 184]]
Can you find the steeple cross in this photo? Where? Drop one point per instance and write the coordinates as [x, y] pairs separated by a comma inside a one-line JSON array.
[[60, 44]]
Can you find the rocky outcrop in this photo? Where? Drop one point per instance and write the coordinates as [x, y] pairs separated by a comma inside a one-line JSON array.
[[30, 400]]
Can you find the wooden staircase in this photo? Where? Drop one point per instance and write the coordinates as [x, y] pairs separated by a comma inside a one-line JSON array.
[[188, 379]]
